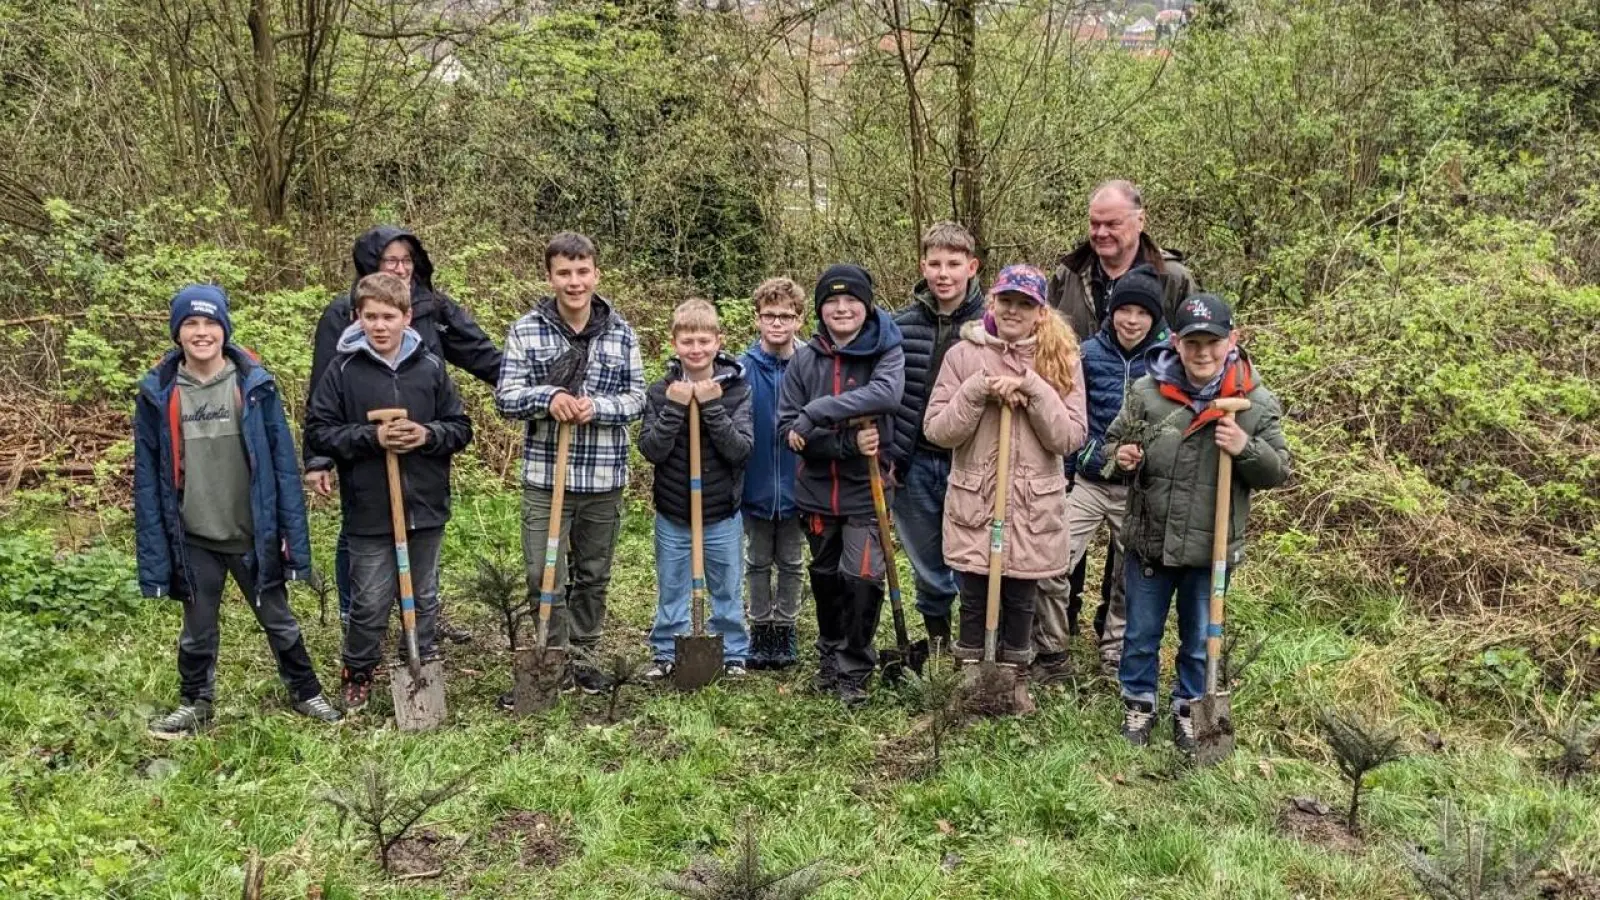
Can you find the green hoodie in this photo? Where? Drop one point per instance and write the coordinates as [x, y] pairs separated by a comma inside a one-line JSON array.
[[216, 474]]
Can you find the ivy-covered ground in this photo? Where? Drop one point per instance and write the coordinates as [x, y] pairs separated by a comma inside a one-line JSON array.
[[568, 805]]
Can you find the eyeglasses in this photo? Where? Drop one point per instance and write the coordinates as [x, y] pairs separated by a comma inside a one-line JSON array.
[[396, 262], [778, 318]]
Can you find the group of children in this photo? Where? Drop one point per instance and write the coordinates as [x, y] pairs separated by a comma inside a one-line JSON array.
[[790, 432]]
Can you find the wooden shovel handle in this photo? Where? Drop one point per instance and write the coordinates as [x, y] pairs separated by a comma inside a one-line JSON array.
[[697, 533], [997, 537], [1219, 545], [552, 543]]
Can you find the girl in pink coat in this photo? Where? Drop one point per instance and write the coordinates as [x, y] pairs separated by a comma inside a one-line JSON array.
[[1021, 354]]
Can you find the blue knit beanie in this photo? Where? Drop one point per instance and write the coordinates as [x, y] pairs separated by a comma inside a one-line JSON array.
[[201, 300]]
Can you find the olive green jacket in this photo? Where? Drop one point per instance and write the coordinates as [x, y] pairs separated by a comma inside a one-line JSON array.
[[1173, 503]]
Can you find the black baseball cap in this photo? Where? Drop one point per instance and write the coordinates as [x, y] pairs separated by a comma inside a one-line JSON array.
[[1203, 314]]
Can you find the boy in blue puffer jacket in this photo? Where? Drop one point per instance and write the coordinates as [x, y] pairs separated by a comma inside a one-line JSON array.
[[773, 531], [209, 417], [1113, 358]]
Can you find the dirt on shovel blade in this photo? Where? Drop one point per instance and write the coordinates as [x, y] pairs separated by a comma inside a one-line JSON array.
[[994, 691], [418, 701], [699, 661], [1213, 728], [536, 676]]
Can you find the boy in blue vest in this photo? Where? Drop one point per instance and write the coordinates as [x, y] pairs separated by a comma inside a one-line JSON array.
[[773, 532], [210, 418]]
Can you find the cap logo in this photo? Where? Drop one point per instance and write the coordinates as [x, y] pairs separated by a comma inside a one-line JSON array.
[[1197, 309], [839, 287], [204, 308]]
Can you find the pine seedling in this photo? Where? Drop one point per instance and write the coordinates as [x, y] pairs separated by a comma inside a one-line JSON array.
[[1577, 741], [1472, 862], [385, 813], [743, 877], [623, 668], [500, 587], [1236, 663], [1359, 748], [936, 693], [318, 583]]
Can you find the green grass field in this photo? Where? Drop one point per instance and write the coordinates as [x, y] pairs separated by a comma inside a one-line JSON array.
[[563, 805]]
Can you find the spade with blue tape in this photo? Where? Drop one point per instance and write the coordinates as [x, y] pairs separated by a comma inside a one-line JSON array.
[[1213, 712], [699, 655]]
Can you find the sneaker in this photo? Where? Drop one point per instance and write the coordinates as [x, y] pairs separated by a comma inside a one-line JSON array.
[[853, 696], [357, 687], [318, 708], [661, 670], [448, 632], [1183, 729], [507, 702], [734, 670], [591, 681], [1110, 663], [185, 721], [1138, 721]]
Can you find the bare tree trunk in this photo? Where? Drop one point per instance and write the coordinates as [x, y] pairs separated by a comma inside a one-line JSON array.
[[916, 126], [969, 151], [269, 151], [807, 147]]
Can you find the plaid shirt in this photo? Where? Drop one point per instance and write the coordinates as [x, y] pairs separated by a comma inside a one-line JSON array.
[[598, 459]]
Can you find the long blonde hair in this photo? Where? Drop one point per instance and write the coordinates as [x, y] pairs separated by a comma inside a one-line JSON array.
[[1055, 353]]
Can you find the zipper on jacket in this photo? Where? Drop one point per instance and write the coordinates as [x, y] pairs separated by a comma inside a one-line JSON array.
[[833, 465]]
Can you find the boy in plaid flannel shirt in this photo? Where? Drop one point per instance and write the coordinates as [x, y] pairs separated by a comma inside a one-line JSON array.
[[573, 359]]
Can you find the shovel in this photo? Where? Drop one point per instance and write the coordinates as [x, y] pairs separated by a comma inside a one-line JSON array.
[[698, 655], [995, 690], [417, 688], [537, 672], [1213, 715], [904, 654]]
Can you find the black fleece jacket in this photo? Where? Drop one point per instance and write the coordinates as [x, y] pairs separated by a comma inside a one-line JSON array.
[[726, 438]]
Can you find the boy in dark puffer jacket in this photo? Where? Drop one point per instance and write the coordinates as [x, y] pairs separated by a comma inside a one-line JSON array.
[[701, 374], [853, 368], [1113, 358]]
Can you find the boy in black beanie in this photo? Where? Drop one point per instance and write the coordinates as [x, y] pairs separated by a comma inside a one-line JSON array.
[[853, 368]]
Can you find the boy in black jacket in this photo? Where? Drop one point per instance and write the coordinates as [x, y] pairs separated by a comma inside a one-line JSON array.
[[382, 364], [852, 368], [715, 381]]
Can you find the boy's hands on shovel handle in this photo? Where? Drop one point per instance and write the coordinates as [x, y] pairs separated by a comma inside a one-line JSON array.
[[1230, 437], [866, 439], [572, 410], [401, 435]]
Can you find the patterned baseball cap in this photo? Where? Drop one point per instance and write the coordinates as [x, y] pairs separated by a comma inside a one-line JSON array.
[[1203, 314], [1024, 280]]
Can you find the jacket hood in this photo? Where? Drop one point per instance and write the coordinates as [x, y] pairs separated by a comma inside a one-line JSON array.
[[251, 373], [724, 368], [879, 334], [977, 332], [354, 340], [368, 255], [1165, 367], [759, 355], [969, 305], [600, 315]]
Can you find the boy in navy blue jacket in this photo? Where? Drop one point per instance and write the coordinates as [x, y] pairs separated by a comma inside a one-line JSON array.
[[772, 528], [852, 369], [216, 492]]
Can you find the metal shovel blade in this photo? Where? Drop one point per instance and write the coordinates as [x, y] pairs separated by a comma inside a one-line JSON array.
[[1213, 728], [418, 699], [698, 662], [536, 675], [893, 661]]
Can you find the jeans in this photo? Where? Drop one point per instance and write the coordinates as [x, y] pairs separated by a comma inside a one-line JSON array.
[[202, 634], [589, 527], [1150, 588], [769, 541], [341, 573], [375, 580], [919, 517], [1017, 598], [674, 570]]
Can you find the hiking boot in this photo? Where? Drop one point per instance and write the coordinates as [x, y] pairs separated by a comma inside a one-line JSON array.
[[826, 681], [1110, 663], [591, 681], [734, 670], [785, 646], [1022, 701], [1053, 667], [507, 702], [356, 688], [1183, 729], [318, 708], [661, 670], [852, 695], [1138, 720], [185, 721], [762, 645], [448, 632]]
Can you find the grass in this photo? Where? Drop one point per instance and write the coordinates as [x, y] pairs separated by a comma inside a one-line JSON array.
[[1053, 806]]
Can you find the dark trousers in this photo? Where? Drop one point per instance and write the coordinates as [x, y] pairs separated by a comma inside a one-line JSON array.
[[590, 524], [202, 634], [847, 584], [1017, 597], [1108, 583]]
